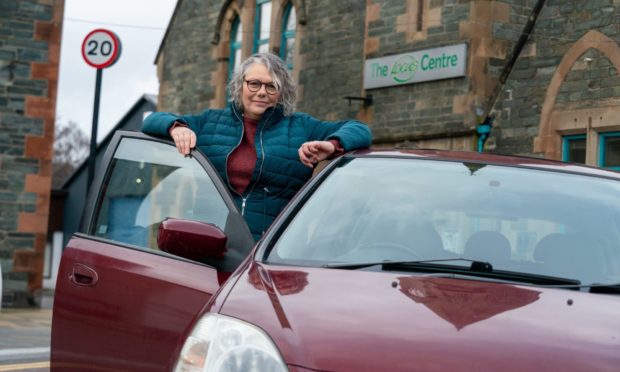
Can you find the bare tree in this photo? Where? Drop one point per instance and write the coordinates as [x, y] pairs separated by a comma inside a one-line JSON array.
[[71, 147]]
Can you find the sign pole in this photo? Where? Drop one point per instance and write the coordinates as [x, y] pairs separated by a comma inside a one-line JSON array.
[[101, 48], [93, 136]]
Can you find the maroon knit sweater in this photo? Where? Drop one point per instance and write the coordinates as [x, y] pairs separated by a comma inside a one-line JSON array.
[[242, 160]]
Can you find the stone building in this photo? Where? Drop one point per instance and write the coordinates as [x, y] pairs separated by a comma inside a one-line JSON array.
[[30, 33], [558, 102]]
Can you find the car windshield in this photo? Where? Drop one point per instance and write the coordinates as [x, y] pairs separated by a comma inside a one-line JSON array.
[[515, 218]]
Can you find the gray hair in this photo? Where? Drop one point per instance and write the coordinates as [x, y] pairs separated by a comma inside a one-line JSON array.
[[281, 76]]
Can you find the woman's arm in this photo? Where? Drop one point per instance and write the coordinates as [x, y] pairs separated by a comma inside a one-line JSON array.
[[159, 123], [351, 134], [329, 138], [182, 129]]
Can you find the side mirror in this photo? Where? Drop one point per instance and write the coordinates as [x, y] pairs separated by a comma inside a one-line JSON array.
[[193, 240]]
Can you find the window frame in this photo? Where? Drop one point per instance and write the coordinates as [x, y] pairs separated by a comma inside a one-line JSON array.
[[234, 46], [239, 235], [148, 199], [257, 41], [567, 139], [601, 149], [286, 35]]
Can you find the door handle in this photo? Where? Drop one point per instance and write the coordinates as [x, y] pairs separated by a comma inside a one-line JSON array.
[[83, 275]]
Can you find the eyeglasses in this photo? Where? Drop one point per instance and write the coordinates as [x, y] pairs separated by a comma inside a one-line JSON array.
[[255, 85]]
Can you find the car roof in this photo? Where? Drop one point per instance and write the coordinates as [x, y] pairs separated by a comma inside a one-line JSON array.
[[487, 158]]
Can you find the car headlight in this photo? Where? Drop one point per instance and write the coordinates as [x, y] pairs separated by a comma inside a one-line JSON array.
[[222, 344]]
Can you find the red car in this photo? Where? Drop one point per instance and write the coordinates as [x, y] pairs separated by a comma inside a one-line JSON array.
[[410, 260]]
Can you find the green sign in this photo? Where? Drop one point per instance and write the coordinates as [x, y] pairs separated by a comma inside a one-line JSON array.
[[414, 67]]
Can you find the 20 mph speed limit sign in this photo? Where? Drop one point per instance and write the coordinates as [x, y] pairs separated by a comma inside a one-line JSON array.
[[101, 48]]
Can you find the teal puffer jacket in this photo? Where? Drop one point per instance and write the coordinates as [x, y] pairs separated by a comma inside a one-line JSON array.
[[279, 173]]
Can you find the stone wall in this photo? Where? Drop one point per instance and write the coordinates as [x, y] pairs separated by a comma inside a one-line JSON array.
[[588, 80], [333, 44], [29, 55], [337, 37], [187, 56], [418, 111], [331, 58]]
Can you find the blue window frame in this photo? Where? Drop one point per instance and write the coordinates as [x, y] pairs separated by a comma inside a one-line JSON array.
[[609, 150], [262, 26], [574, 148], [236, 33], [287, 44]]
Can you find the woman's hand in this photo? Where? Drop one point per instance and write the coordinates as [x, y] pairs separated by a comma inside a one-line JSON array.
[[311, 153], [184, 138]]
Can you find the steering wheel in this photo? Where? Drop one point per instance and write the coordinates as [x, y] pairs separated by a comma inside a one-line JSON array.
[[386, 247]]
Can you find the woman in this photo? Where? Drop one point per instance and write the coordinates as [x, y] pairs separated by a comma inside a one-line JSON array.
[[263, 150]]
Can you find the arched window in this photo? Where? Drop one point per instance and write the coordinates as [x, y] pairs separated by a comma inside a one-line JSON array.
[[236, 33], [262, 26], [287, 45]]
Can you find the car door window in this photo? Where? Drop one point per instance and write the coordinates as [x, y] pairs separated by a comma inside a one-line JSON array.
[[147, 182]]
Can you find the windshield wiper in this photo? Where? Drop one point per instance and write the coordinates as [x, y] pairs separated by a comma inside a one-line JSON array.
[[477, 265], [612, 288], [479, 269]]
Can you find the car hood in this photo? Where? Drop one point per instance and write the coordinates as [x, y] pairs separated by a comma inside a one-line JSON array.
[[336, 320]]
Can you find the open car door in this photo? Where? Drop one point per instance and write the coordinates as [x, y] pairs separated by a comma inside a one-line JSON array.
[[121, 301]]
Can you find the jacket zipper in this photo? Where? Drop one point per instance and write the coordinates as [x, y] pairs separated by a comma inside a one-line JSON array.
[[260, 171], [226, 163]]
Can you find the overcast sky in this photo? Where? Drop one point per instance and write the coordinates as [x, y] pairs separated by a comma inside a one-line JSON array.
[[140, 25]]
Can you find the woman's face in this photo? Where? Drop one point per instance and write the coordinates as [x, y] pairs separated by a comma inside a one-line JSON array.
[[255, 103]]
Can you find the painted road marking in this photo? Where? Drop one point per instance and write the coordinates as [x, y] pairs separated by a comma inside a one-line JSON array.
[[25, 351], [23, 366]]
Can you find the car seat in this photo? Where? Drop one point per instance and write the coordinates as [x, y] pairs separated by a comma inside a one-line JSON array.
[[571, 256], [489, 246]]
